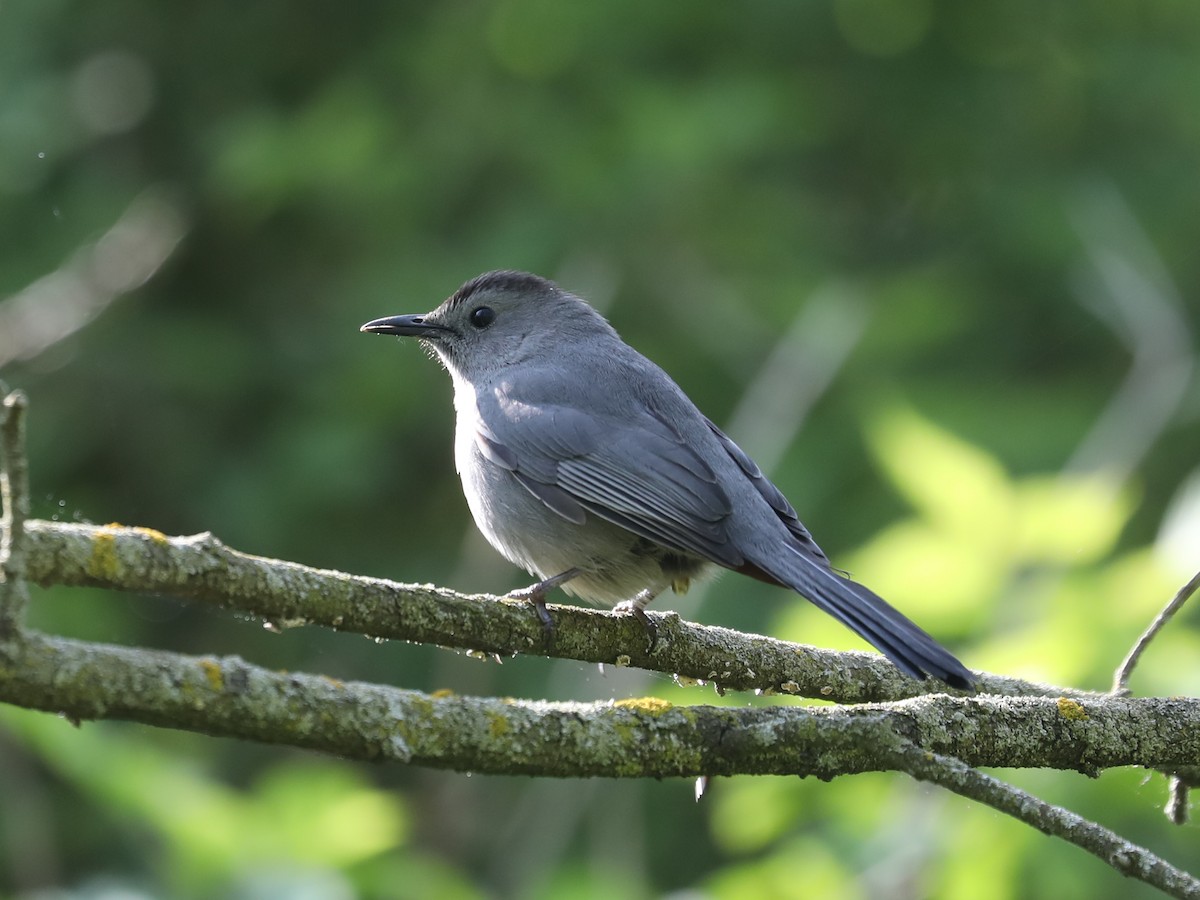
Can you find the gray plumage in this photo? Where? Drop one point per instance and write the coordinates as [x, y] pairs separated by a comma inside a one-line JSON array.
[[584, 463]]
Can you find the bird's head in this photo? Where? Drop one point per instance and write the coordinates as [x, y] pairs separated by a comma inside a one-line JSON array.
[[497, 320]]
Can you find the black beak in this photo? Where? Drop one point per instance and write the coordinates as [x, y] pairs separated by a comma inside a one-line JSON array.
[[404, 326]]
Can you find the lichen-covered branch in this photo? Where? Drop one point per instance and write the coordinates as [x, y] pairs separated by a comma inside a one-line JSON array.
[[632, 739], [202, 568], [14, 510], [1181, 781], [1124, 856]]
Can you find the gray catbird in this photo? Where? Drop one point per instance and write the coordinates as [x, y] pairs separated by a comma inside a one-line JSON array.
[[584, 463]]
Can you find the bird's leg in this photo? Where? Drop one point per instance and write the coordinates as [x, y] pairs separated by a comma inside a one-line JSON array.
[[636, 607], [536, 594]]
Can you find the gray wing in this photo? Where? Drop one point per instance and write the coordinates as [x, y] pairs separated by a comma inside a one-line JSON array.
[[637, 472], [770, 493]]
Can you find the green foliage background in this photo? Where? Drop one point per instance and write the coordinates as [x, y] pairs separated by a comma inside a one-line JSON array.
[[982, 216]]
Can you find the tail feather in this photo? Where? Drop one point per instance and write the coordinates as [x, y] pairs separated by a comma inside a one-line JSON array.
[[900, 639]]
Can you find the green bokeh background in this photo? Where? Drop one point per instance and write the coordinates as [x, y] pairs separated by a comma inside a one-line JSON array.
[[934, 264]]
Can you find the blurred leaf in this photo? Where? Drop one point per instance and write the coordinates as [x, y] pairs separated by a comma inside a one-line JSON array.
[[1069, 519], [989, 874], [958, 487], [324, 813], [930, 572], [751, 813], [573, 882], [800, 868], [318, 813], [407, 876]]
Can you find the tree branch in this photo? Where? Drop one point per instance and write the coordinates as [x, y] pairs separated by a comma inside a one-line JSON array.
[[640, 738], [1126, 857], [1125, 670], [201, 568], [14, 510], [1181, 781]]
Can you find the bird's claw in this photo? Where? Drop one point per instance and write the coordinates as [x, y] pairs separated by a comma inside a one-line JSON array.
[[633, 608], [536, 595]]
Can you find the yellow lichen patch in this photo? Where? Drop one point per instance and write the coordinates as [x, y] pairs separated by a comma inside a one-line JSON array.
[[497, 725], [212, 672], [1071, 709], [645, 704], [103, 562], [441, 693], [156, 536]]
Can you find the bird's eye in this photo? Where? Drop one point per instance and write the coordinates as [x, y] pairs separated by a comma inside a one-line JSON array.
[[482, 316]]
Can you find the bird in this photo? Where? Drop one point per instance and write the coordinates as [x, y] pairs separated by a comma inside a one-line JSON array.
[[585, 464]]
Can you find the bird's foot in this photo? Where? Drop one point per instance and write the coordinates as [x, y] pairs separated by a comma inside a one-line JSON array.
[[637, 608], [536, 594]]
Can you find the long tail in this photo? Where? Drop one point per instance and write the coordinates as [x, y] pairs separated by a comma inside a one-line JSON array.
[[866, 613]]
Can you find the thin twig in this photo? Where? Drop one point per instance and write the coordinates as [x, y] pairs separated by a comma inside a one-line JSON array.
[[14, 502], [1124, 856], [94, 276], [1129, 288], [1178, 796], [1179, 784], [1125, 671]]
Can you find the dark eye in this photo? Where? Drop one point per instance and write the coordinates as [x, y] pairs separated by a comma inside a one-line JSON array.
[[482, 316]]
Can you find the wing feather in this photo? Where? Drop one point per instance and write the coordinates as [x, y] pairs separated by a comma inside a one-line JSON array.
[[770, 493], [636, 473]]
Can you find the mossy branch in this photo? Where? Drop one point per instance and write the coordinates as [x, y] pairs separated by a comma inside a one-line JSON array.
[[203, 569], [635, 738], [14, 510]]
